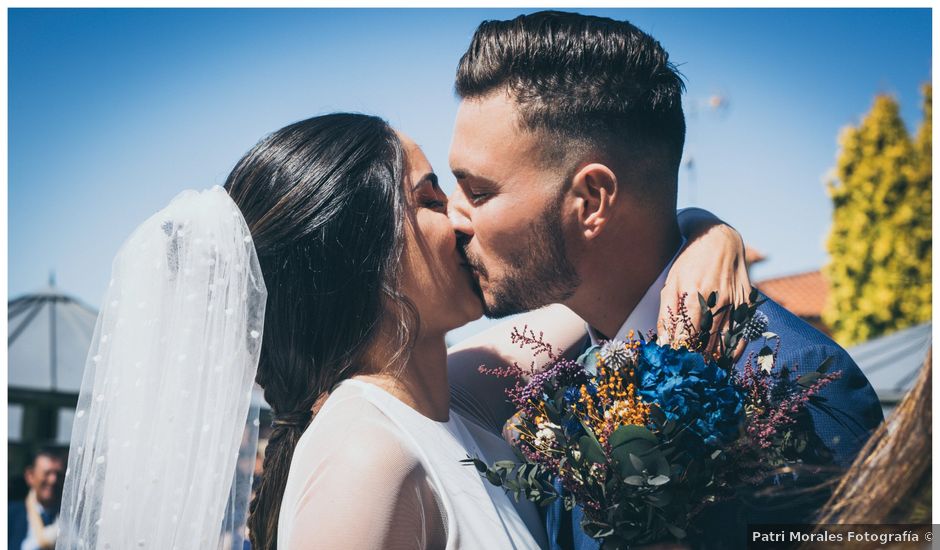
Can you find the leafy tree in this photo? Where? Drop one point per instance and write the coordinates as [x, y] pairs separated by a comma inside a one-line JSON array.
[[880, 241]]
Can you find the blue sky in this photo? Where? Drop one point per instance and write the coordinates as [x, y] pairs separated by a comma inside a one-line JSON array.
[[113, 112]]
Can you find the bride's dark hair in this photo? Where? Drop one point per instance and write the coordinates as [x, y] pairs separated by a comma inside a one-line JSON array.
[[323, 200]]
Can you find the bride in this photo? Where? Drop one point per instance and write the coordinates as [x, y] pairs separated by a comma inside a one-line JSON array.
[[328, 271]]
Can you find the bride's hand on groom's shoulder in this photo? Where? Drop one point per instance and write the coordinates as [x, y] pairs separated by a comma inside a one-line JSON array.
[[712, 260]]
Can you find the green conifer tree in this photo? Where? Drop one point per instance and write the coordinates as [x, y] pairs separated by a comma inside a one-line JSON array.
[[879, 244], [920, 223]]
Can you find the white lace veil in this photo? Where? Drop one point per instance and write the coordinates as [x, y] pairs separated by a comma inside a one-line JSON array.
[[163, 444]]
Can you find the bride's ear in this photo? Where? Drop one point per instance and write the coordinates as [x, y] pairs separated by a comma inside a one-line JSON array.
[[594, 188]]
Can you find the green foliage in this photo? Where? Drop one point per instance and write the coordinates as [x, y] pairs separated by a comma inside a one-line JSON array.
[[880, 241]]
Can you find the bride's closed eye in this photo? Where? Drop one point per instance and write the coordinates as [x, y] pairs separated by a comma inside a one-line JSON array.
[[434, 204], [429, 194]]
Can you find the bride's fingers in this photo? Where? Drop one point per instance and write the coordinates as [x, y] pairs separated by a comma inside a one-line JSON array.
[[739, 350], [694, 309], [716, 331]]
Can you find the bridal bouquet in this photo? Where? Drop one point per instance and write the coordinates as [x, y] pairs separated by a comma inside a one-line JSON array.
[[644, 435]]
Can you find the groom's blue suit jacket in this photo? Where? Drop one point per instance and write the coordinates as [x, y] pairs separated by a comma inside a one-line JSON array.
[[842, 424]]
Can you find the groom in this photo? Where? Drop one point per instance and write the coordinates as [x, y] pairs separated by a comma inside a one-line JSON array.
[[566, 151]]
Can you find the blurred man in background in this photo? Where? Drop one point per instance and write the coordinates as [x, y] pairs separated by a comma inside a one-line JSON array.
[[33, 523]]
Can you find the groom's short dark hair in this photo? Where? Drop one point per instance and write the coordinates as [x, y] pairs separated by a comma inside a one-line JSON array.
[[583, 79]]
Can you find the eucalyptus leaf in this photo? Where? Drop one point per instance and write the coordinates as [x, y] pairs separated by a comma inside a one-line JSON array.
[[634, 440], [808, 379], [591, 449], [658, 480], [676, 531], [494, 478], [590, 435], [669, 427], [631, 434], [657, 415], [724, 363], [660, 499], [593, 528], [636, 480], [824, 367], [477, 463], [740, 314], [706, 323], [637, 463]]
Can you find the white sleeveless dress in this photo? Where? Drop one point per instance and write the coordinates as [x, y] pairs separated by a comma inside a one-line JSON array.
[[371, 472]]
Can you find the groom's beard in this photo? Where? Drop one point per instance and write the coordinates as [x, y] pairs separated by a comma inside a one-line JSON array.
[[538, 273]]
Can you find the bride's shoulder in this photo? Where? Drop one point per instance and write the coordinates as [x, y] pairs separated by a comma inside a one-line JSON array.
[[353, 464], [353, 431]]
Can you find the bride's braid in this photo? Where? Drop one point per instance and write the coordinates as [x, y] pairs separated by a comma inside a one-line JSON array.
[[324, 203]]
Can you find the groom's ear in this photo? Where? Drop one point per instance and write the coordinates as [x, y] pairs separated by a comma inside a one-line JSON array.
[[594, 188]]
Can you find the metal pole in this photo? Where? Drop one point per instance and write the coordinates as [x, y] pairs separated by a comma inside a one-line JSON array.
[[52, 342], [53, 359]]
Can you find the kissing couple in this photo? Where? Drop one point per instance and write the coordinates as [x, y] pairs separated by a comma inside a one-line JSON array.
[[331, 266]]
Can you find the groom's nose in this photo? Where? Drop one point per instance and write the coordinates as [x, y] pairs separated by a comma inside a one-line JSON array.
[[458, 213]]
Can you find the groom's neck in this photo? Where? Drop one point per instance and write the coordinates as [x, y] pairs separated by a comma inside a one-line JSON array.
[[619, 272]]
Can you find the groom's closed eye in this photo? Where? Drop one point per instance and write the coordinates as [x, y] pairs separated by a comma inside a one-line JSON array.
[[477, 189], [479, 197]]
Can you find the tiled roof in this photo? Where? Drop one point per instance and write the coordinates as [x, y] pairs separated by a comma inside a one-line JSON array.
[[804, 294], [752, 255]]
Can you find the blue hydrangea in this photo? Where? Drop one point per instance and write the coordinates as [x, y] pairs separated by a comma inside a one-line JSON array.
[[572, 394], [691, 392], [573, 427]]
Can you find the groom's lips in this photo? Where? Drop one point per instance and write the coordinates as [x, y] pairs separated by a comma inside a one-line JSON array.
[[475, 272], [468, 264]]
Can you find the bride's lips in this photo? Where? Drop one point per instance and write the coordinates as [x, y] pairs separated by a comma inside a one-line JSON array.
[[469, 269], [473, 278], [478, 273]]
